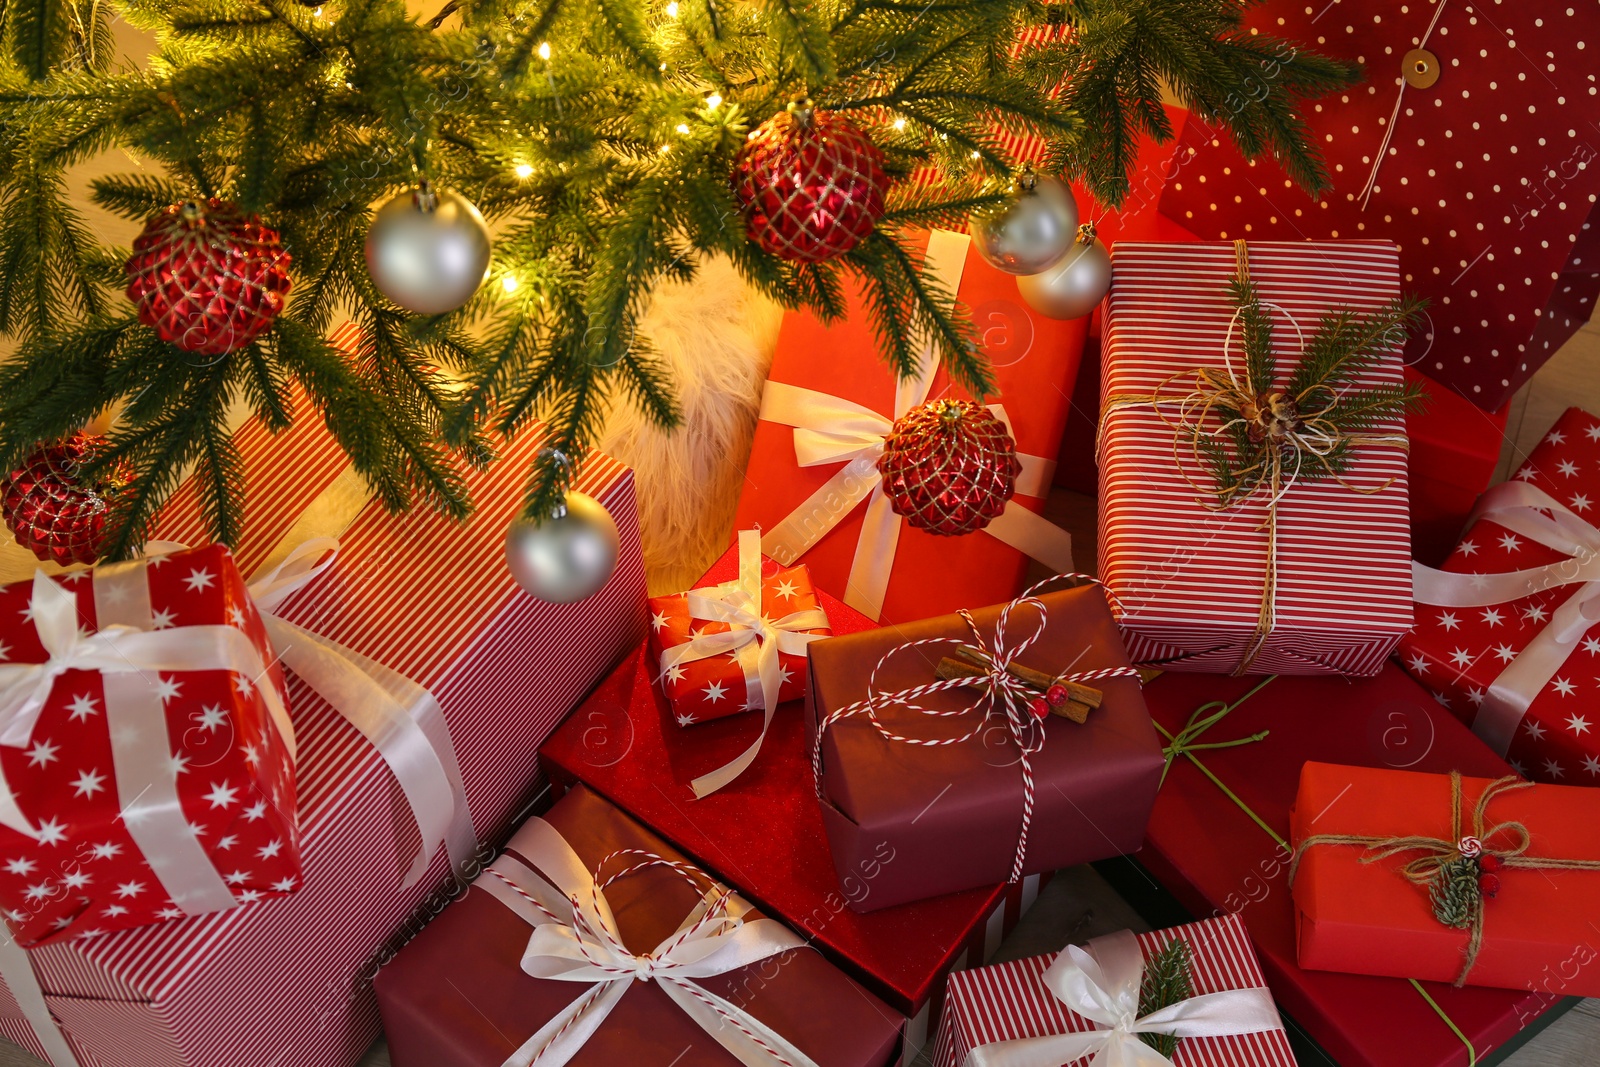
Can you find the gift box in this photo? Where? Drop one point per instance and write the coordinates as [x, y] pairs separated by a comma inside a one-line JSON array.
[[1464, 136], [196, 991], [592, 941], [1505, 632], [1219, 842], [763, 832], [1455, 448], [812, 484], [1479, 881], [1066, 1006], [132, 798], [1312, 575], [972, 786], [738, 645]]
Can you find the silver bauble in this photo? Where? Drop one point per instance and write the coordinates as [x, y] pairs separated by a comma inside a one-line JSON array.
[[428, 250], [1073, 287], [566, 558], [1034, 229]]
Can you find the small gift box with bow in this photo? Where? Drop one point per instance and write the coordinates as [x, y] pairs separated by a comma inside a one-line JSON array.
[[738, 645], [815, 485], [147, 757], [958, 745], [1472, 881], [590, 941], [1189, 996], [1508, 630], [1253, 507]]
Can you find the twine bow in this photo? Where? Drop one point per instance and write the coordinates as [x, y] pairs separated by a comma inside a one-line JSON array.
[[1287, 433], [1001, 695], [576, 939], [1451, 868]]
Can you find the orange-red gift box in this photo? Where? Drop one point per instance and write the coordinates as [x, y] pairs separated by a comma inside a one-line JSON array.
[[1367, 918]]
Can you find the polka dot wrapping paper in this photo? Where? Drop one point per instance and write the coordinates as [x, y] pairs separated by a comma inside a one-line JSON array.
[[1462, 654], [1473, 131]]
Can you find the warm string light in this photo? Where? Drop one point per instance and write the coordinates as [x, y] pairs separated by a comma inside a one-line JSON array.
[[672, 9], [509, 283], [523, 170], [714, 101], [544, 50], [900, 123]]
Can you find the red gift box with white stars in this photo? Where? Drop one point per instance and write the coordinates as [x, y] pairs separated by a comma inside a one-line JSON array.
[[1480, 114], [1466, 655], [84, 872], [718, 685]]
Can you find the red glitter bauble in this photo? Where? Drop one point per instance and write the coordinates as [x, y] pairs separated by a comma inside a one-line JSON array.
[[810, 184], [55, 514], [207, 277], [949, 467]]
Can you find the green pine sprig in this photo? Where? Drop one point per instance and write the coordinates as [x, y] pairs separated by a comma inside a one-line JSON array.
[[1454, 893], [1168, 979]]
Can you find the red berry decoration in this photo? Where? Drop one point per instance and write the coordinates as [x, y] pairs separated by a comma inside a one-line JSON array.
[[1489, 885], [55, 514], [810, 184], [1039, 708], [1056, 695], [1488, 861], [207, 277], [949, 467]]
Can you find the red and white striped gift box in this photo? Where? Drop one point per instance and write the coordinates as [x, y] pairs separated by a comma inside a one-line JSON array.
[[289, 983], [1009, 1001], [1188, 579]]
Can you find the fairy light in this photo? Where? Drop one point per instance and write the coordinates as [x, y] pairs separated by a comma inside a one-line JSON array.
[[977, 155], [682, 127], [524, 170], [900, 123], [509, 283], [544, 50], [672, 9], [714, 101]]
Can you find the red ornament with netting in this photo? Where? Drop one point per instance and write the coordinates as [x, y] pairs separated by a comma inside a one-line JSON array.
[[207, 277], [54, 513], [811, 184], [949, 467]]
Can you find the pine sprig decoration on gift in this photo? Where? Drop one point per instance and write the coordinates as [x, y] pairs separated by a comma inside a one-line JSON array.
[[1455, 893], [600, 140], [1168, 979]]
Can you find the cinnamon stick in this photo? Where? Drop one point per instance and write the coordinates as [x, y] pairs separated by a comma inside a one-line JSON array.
[[948, 669], [1083, 694]]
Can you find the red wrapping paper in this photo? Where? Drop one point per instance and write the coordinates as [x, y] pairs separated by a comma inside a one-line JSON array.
[[288, 983], [763, 833], [1035, 361], [1455, 448], [1010, 1002], [1487, 183], [1367, 918], [1190, 579], [710, 688], [1209, 852], [1460, 653], [86, 873], [457, 993]]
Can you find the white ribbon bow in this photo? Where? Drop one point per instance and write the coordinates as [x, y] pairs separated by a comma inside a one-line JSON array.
[[576, 939], [1533, 513], [1101, 983], [754, 640], [830, 429]]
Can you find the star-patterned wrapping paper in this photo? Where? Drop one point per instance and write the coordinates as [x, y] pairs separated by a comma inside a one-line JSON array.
[[85, 874], [1460, 652], [716, 686], [1488, 179]]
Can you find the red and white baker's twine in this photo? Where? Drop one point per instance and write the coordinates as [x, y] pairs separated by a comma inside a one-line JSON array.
[[1003, 696], [714, 904]]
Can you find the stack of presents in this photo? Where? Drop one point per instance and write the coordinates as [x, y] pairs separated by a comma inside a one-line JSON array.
[[260, 800]]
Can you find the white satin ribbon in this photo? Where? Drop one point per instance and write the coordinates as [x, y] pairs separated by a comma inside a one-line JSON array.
[[831, 429], [1533, 513], [1101, 983], [576, 939], [754, 640]]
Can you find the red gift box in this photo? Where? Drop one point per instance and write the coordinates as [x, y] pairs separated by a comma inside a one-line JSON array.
[[812, 483], [660, 965], [196, 991], [1455, 448], [1511, 654], [763, 833], [1021, 1001], [1206, 589], [1219, 842], [1483, 176], [714, 644], [148, 796], [1357, 829]]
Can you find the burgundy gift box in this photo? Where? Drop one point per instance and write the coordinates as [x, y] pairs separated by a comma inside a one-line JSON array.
[[953, 814], [458, 993]]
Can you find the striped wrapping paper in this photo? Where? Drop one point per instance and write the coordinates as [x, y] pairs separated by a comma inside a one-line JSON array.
[[1008, 1001], [287, 983], [1189, 578]]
